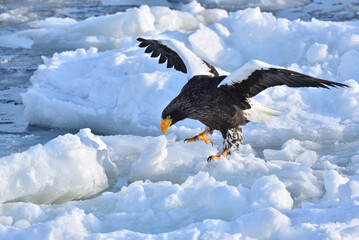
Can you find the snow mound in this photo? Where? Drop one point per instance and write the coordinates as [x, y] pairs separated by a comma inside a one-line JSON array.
[[146, 180], [108, 32], [269, 191], [112, 161], [66, 168], [103, 91]]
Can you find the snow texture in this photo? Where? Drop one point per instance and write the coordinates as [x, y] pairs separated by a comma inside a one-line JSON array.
[[296, 177]]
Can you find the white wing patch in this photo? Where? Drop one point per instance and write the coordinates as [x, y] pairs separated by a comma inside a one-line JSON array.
[[245, 71], [194, 65], [259, 113]]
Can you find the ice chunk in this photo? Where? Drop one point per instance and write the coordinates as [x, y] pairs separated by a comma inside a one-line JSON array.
[[350, 189], [332, 181], [294, 150], [317, 52], [207, 44], [268, 220], [347, 68], [270, 192], [151, 160], [63, 169]]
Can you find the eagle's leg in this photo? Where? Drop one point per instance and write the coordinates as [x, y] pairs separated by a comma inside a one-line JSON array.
[[232, 141], [201, 136]]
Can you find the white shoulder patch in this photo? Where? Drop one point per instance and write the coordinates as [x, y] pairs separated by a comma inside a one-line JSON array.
[[245, 71], [194, 64]]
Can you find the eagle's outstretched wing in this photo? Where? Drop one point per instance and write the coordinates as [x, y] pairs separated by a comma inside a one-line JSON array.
[[256, 76], [178, 56]]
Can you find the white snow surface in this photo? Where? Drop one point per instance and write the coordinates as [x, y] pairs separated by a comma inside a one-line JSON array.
[[265, 5], [296, 177], [108, 31], [161, 188]]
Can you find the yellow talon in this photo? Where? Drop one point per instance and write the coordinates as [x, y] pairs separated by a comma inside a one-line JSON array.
[[217, 157], [201, 136], [192, 139]]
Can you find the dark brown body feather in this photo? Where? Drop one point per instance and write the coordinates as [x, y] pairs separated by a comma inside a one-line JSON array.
[[202, 100]]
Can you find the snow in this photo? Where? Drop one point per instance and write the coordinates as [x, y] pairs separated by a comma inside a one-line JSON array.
[[108, 31], [270, 192], [317, 52], [42, 173], [263, 4], [296, 177], [181, 193], [143, 87]]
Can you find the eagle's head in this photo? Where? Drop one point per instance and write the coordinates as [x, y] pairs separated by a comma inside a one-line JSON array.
[[170, 116]]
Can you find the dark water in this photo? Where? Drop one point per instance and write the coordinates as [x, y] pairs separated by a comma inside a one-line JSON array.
[[17, 65]]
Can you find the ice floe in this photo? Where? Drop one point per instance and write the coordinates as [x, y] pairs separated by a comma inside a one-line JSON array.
[[296, 177]]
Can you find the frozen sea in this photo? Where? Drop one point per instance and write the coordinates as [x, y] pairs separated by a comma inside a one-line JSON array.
[[81, 153]]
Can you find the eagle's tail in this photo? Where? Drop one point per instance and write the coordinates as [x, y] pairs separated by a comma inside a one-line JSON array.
[[259, 113]]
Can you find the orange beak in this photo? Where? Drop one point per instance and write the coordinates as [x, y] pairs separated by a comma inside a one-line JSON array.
[[165, 124]]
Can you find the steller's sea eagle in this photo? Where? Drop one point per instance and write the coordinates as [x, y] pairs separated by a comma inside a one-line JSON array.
[[222, 102]]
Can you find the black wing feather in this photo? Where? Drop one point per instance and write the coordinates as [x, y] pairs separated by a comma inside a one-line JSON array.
[[155, 53], [262, 79], [162, 59], [166, 54], [143, 44], [170, 62]]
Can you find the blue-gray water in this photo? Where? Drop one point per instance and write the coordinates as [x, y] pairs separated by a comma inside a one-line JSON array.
[[17, 64]]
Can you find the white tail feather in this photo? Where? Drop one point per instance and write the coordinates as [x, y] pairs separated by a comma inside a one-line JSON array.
[[259, 113]]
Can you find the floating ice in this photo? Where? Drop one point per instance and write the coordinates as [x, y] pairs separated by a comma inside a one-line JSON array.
[[17, 15], [269, 191], [182, 192], [66, 168], [134, 88], [108, 32], [264, 5], [296, 177]]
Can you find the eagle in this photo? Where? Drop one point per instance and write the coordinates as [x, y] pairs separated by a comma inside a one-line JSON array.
[[222, 103]]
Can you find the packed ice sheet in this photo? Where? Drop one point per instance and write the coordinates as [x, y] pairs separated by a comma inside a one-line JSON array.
[[296, 177], [163, 188]]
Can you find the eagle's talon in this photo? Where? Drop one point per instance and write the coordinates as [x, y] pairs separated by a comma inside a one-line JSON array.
[[192, 139], [201, 136], [213, 157], [217, 157]]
